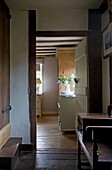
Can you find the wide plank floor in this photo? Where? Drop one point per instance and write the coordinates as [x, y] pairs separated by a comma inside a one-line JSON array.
[[55, 150], [49, 135]]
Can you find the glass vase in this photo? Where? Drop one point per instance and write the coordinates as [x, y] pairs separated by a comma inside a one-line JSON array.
[[67, 88]]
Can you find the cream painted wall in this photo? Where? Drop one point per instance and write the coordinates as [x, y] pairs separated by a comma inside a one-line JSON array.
[[105, 69], [46, 20], [50, 95], [19, 76], [59, 19]]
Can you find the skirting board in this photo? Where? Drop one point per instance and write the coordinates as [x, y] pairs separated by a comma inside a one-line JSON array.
[[49, 113], [5, 134]]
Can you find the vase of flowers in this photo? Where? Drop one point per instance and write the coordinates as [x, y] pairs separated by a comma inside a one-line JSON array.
[[67, 82]]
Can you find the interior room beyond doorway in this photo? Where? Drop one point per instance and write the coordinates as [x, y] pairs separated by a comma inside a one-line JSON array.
[[49, 135]]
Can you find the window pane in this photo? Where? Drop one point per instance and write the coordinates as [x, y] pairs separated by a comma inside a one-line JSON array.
[[39, 79]]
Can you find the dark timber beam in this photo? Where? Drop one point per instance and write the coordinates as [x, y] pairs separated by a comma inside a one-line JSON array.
[[32, 75]]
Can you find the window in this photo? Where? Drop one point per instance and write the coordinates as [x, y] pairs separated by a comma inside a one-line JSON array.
[[39, 88]]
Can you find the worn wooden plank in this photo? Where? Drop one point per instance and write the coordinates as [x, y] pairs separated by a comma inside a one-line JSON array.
[[49, 135], [49, 159], [57, 150]]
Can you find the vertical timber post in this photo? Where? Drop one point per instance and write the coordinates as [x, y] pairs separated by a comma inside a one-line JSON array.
[[32, 75]]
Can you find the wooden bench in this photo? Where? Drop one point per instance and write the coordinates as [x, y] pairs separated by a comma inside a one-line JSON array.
[[98, 153], [94, 139], [9, 153]]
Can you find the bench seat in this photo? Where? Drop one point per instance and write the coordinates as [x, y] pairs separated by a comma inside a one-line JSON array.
[[104, 153], [9, 153]]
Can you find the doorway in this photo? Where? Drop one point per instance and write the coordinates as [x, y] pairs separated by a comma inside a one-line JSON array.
[[32, 68], [69, 42]]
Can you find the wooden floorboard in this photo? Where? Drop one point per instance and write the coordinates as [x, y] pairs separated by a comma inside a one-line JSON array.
[[55, 150], [48, 160], [32, 161], [49, 135]]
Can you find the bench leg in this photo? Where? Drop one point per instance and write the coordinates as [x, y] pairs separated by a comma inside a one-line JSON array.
[[79, 155], [95, 152]]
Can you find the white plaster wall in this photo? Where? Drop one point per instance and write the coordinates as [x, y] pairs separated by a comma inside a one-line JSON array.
[[62, 19], [50, 94], [19, 76], [105, 69]]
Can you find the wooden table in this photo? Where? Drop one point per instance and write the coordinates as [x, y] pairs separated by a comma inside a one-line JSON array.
[[97, 150], [92, 119]]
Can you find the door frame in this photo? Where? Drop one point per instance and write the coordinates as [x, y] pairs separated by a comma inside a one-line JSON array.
[[32, 76], [32, 72], [32, 68], [93, 35]]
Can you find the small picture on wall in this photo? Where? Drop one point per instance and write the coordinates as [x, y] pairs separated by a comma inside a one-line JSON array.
[[107, 41]]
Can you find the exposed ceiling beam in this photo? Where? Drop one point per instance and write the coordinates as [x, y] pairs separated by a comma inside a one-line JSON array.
[[61, 33], [45, 48], [44, 56], [47, 45], [58, 41], [50, 53], [45, 51]]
